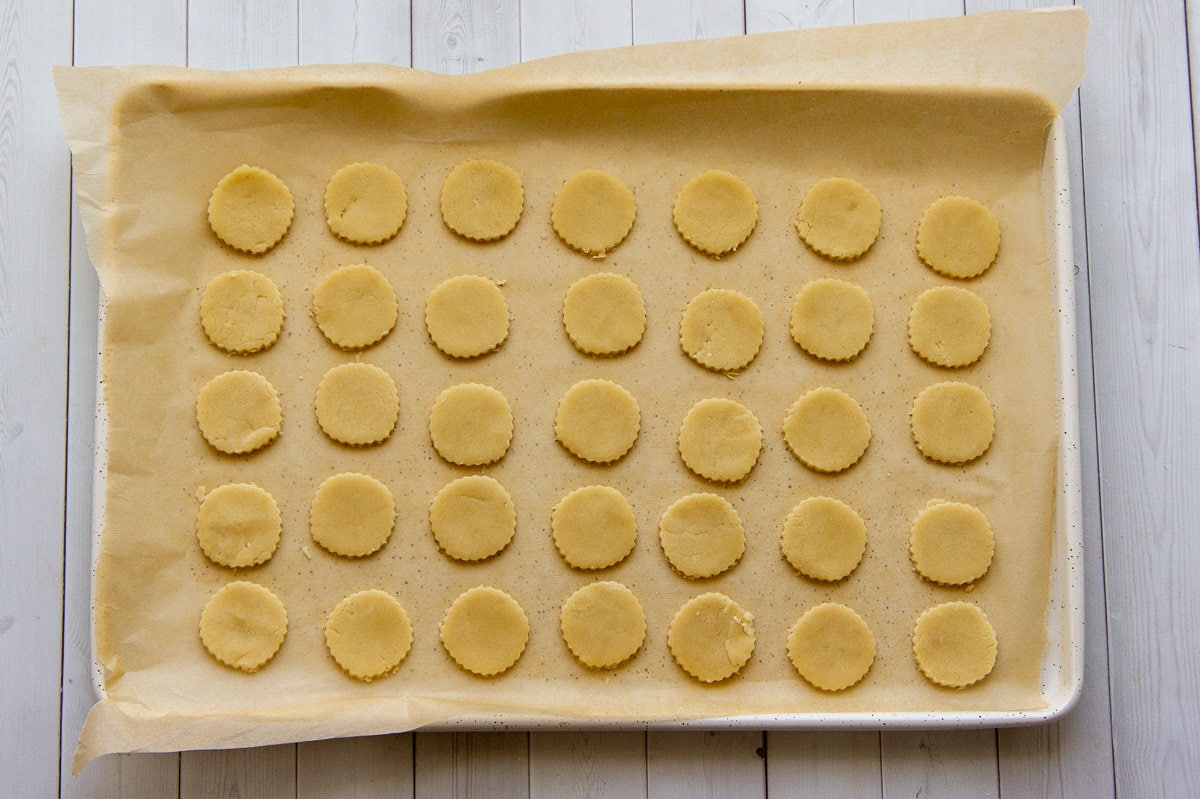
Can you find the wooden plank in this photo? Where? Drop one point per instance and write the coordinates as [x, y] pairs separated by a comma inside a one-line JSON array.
[[464, 764], [782, 15], [365, 30], [265, 772], [706, 765], [233, 34], [957, 764], [592, 764], [553, 27], [828, 763], [356, 768], [684, 20], [868, 11], [459, 37]]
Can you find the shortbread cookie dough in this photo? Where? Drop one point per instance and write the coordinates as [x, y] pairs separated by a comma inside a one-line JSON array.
[[243, 625], [482, 200], [827, 430], [593, 527], [354, 306], [720, 440], [949, 326], [715, 212], [823, 538], [239, 412], [711, 637], [839, 219], [485, 631], [352, 515], [604, 314], [603, 625], [721, 330], [832, 319], [241, 312], [472, 518], [357, 404], [593, 212], [238, 525], [951, 543], [466, 316], [365, 203], [471, 424], [831, 647], [952, 422], [954, 644], [368, 634], [701, 535], [958, 237], [597, 421], [250, 209]]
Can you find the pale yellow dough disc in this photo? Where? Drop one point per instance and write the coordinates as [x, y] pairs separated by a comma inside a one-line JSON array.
[[949, 326], [466, 316], [720, 440], [593, 212], [827, 430], [954, 644], [701, 535], [952, 422], [241, 312], [482, 200], [365, 203], [715, 212], [238, 525], [354, 306], [832, 319], [471, 424], [839, 218], [831, 647], [604, 314], [951, 543], [250, 209], [368, 634], [239, 412], [824, 538], [721, 330], [597, 421], [472, 518], [593, 527], [357, 404], [243, 625], [603, 625], [485, 631], [711, 637], [958, 237], [352, 514]]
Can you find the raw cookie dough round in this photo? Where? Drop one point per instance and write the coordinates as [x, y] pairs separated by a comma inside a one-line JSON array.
[[701, 535], [604, 314], [471, 424], [368, 634], [241, 312], [354, 306], [250, 209], [466, 316], [472, 518], [603, 625], [839, 218], [485, 631], [715, 212], [243, 625], [238, 525], [238, 412], [711, 637], [951, 543], [720, 440], [958, 237], [721, 330], [832, 319], [949, 326], [593, 212], [827, 430], [482, 200], [593, 527], [954, 644], [352, 515], [952, 422], [823, 538], [597, 421], [365, 203], [357, 404], [831, 647]]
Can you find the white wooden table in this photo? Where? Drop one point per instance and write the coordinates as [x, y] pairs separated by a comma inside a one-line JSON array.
[[1137, 253]]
